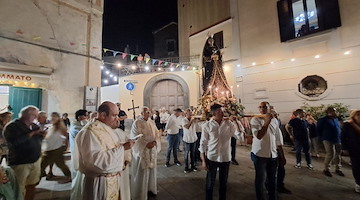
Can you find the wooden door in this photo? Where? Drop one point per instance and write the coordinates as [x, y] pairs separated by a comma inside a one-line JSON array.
[[167, 94]]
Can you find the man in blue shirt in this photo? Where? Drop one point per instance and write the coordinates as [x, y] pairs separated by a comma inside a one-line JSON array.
[[328, 128]]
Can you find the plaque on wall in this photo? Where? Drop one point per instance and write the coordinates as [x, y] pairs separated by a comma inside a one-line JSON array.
[[312, 86], [91, 98]]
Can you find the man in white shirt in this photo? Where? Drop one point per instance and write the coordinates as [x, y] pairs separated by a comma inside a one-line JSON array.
[[215, 149], [172, 131], [266, 148], [189, 139]]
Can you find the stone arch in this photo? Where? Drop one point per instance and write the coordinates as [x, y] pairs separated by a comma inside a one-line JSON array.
[[150, 84]]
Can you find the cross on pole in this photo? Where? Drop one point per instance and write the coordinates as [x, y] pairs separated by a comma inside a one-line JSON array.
[[133, 108]]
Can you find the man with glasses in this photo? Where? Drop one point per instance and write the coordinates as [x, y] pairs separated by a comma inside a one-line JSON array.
[[266, 148]]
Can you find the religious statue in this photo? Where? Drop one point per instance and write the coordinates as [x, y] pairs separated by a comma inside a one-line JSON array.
[[214, 80], [210, 54]]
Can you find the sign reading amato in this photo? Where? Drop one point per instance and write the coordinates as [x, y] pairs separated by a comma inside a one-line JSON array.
[[15, 77]]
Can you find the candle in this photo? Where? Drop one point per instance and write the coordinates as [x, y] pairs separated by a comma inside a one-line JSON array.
[[232, 93], [210, 90], [217, 94], [227, 94]]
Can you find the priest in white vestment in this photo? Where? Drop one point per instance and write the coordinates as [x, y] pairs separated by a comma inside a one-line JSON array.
[[99, 156], [145, 150]]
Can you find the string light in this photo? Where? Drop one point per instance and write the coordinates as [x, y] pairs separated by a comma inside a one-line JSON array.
[[115, 78], [133, 67], [292, 59], [194, 68], [182, 69], [102, 67], [106, 81], [107, 72], [347, 52], [317, 56], [147, 68], [238, 65], [111, 75], [172, 69], [118, 65]]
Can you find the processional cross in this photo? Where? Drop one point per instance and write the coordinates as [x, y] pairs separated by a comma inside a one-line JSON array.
[[133, 108]]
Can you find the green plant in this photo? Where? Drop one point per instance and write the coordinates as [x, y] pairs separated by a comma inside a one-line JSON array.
[[319, 111]]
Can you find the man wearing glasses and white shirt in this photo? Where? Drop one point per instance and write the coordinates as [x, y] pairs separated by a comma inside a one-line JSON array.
[[266, 148], [215, 149]]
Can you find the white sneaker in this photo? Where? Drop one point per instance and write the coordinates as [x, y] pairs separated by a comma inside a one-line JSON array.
[[298, 165], [310, 166], [357, 188]]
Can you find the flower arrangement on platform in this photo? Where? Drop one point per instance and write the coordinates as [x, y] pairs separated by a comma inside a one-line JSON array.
[[231, 107]]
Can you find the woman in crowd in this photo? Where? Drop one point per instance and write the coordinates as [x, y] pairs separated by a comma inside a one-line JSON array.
[[55, 147], [350, 138]]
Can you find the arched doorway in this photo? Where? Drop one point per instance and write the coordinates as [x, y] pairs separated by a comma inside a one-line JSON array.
[[166, 90]]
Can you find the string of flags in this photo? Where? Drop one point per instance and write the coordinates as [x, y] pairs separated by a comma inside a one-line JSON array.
[[146, 58]]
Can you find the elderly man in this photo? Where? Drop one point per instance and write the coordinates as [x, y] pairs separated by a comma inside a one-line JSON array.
[[24, 141], [99, 155], [266, 148], [145, 150]]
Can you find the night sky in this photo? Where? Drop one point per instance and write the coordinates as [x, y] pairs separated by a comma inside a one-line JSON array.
[[132, 22]]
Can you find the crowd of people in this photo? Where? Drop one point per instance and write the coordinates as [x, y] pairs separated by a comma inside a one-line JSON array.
[[111, 161]]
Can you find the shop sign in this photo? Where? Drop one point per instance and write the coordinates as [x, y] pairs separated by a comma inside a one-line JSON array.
[[15, 77]]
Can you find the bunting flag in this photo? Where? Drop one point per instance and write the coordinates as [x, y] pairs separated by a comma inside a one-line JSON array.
[[84, 45], [36, 38], [160, 61], [166, 63], [140, 58], [132, 57], [147, 60], [95, 47], [171, 65], [105, 50], [124, 55], [115, 53], [72, 43], [177, 65], [154, 61]]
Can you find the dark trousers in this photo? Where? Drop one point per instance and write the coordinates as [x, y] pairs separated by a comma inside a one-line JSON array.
[[189, 149], [355, 165], [211, 177], [280, 175], [197, 152], [55, 156], [305, 146], [172, 145], [181, 134], [233, 148], [265, 169]]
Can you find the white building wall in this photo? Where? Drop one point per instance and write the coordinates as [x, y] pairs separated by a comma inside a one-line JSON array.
[[260, 43], [32, 33]]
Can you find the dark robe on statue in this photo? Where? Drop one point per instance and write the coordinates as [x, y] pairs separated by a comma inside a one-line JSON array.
[[210, 49]]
